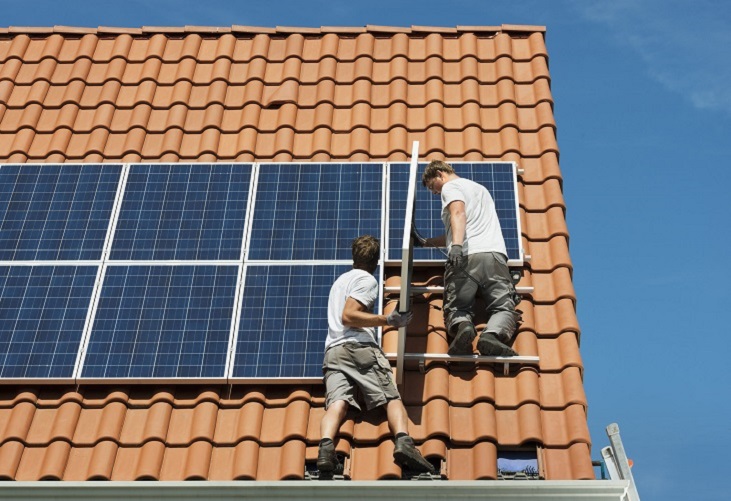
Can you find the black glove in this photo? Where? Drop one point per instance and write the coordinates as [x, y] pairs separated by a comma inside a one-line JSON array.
[[455, 258], [396, 319], [419, 241]]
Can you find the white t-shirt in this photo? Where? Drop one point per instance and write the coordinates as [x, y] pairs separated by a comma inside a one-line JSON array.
[[483, 233], [361, 286]]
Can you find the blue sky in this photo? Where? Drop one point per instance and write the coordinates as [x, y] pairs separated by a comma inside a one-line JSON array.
[[643, 107]]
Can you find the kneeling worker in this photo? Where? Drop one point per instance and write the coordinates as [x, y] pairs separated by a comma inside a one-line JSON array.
[[354, 364], [477, 263]]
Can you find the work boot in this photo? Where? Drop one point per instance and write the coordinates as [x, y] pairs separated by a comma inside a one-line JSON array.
[[327, 461], [462, 342], [489, 345], [408, 456]]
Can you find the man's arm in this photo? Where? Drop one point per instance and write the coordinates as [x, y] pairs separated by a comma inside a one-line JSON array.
[[458, 220], [355, 314]]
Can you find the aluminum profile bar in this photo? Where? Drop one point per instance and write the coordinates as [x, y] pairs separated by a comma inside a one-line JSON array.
[[407, 260], [621, 461]]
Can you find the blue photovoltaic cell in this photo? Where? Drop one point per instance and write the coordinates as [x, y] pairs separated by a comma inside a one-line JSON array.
[[162, 322], [183, 212], [499, 180], [55, 212], [42, 314], [284, 320], [314, 211]]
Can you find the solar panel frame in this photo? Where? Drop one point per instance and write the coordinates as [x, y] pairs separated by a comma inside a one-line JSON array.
[[157, 203], [278, 326], [407, 259], [63, 249], [345, 263], [253, 253], [81, 377], [82, 309], [433, 225]]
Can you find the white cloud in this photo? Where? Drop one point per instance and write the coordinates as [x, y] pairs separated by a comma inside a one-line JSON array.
[[685, 44]]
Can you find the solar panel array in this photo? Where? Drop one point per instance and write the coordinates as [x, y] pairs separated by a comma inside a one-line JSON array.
[[142, 272]]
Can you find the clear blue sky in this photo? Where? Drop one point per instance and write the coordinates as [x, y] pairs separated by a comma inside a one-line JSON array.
[[643, 105]]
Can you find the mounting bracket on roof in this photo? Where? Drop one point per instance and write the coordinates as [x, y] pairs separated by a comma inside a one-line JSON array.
[[421, 358]]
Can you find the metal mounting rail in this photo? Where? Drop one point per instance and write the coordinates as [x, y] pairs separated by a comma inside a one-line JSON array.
[[506, 361]]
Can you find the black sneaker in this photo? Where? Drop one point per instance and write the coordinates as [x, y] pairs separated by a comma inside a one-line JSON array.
[[408, 456], [462, 342], [327, 461], [489, 345]]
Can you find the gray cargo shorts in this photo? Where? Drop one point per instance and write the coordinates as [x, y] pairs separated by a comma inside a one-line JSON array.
[[358, 373]]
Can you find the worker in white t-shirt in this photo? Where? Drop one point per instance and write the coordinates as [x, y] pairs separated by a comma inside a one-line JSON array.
[[356, 372], [477, 263]]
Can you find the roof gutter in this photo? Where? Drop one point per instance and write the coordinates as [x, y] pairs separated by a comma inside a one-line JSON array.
[[575, 490]]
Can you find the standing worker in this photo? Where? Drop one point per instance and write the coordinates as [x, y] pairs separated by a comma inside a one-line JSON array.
[[477, 263], [356, 371]]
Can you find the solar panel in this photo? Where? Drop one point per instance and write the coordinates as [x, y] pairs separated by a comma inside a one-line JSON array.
[[283, 323], [162, 321], [499, 179], [55, 212], [314, 211], [43, 310], [183, 212]]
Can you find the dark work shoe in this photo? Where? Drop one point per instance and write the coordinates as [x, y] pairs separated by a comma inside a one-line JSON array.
[[489, 345], [462, 342], [327, 461], [408, 456]]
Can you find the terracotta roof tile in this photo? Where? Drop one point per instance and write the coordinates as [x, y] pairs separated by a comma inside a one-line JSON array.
[[573, 462], [314, 94], [140, 462], [11, 452], [91, 463], [477, 462], [44, 463]]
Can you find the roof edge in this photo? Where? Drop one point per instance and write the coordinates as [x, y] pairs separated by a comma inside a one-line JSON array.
[[284, 30], [596, 490]]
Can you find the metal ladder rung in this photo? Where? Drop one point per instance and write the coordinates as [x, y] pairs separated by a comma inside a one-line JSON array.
[[439, 289], [506, 361]]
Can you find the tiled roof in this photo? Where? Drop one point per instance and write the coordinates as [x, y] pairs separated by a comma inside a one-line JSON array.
[[313, 94]]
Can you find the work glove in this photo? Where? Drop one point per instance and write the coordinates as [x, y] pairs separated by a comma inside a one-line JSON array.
[[419, 241], [396, 319], [455, 258]]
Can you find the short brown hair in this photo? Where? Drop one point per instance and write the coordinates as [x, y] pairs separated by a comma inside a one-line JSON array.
[[433, 169], [366, 249]]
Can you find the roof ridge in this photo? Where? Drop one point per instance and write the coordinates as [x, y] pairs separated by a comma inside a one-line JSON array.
[[281, 30]]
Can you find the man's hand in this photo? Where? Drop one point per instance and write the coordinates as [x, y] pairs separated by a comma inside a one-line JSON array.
[[419, 241], [455, 258], [396, 319]]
